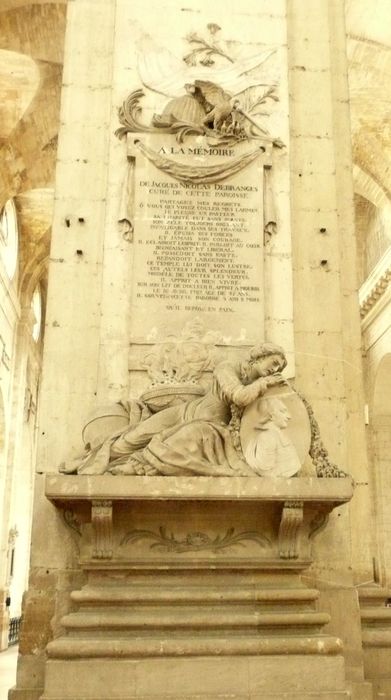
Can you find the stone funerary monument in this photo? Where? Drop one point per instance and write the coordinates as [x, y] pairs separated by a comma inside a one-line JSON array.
[[200, 424]]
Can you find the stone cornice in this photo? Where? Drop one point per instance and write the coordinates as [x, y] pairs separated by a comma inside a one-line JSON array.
[[375, 285]]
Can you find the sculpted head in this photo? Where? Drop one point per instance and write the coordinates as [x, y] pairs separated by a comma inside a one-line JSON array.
[[273, 410], [265, 359]]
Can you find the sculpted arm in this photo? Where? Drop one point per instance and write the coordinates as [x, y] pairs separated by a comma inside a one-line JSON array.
[[231, 389]]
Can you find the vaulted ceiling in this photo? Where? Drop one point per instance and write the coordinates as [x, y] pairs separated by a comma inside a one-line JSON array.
[[369, 52], [31, 57]]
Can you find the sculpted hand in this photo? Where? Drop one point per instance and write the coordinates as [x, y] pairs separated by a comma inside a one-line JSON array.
[[275, 379]]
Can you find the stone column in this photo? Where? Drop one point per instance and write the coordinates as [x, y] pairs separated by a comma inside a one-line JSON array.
[[326, 311], [72, 334]]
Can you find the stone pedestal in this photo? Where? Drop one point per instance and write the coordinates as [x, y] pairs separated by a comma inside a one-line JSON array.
[[194, 590]]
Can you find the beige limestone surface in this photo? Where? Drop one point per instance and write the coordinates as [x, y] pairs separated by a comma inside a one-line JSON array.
[[308, 277]]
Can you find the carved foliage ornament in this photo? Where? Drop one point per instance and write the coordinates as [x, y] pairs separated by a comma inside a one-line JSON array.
[[317, 451], [194, 541]]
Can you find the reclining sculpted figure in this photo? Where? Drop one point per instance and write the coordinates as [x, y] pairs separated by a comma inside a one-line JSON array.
[[192, 437], [251, 422]]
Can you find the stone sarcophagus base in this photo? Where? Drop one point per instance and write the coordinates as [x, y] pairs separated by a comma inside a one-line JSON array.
[[194, 590]]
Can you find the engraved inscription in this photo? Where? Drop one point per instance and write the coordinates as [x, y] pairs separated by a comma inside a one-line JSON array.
[[199, 250]]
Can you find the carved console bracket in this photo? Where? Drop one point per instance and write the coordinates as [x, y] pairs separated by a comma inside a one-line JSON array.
[[282, 517], [288, 536], [102, 527]]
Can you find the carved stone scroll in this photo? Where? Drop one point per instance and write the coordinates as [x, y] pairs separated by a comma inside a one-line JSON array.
[[102, 526], [288, 536]]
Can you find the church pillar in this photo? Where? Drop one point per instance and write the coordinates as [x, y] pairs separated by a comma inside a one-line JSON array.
[[102, 325]]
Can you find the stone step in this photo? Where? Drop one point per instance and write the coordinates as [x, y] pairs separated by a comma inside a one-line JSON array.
[[373, 596], [208, 594], [376, 615], [175, 618], [376, 637], [70, 647]]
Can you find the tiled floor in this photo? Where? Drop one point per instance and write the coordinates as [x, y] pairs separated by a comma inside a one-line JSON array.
[[8, 661]]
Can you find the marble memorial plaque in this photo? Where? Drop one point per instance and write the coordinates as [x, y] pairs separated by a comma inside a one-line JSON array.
[[198, 246]]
